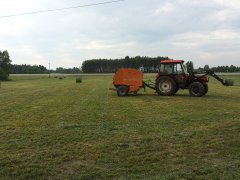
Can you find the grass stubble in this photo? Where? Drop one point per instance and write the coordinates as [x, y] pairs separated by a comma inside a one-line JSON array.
[[58, 129]]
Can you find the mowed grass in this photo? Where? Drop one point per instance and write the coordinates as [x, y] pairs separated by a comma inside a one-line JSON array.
[[57, 129]]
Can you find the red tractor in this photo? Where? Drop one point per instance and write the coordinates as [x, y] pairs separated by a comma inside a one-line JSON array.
[[173, 75]]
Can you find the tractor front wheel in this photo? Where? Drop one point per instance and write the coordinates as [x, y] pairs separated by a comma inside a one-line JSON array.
[[206, 88], [122, 90], [166, 86], [177, 88], [197, 89]]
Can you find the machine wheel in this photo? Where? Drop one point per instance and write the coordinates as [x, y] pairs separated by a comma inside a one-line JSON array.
[[122, 90], [177, 88], [206, 88], [166, 86], [197, 89]]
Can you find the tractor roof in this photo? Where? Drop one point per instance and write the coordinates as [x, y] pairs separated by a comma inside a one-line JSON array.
[[171, 61]]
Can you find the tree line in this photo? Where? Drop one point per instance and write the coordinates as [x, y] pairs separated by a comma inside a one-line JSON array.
[[150, 64], [39, 69], [226, 69], [73, 70], [27, 69], [221, 69]]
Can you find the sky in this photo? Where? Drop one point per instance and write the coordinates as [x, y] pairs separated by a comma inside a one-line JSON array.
[[206, 32]]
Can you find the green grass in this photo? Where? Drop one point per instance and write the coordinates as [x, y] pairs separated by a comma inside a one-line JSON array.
[[58, 129]]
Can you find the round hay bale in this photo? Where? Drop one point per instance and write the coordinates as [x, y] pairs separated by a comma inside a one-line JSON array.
[[79, 80], [229, 82]]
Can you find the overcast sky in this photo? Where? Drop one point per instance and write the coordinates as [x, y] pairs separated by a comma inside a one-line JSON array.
[[203, 31]]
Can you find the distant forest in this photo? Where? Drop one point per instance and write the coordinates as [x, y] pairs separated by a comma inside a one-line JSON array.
[[226, 69], [39, 69], [27, 69], [149, 64]]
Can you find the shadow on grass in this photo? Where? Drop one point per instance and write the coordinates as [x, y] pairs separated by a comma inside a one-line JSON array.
[[78, 126], [182, 96], [156, 95]]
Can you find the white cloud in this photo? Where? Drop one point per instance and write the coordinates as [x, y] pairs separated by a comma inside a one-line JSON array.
[[224, 3], [225, 34], [228, 4], [15, 27], [10, 7], [227, 14], [196, 39], [24, 52], [212, 47], [165, 9], [98, 45], [217, 10]]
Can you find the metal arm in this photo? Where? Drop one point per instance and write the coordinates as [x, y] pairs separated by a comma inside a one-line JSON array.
[[224, 82]]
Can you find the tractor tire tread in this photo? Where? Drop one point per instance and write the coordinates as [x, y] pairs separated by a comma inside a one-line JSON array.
[[173, 83], [197, 89]]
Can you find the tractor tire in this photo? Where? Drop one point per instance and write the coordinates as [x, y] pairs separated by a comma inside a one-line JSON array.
[[166, 86], [197, 89], [206, 88], [122, 90], [177, 88]]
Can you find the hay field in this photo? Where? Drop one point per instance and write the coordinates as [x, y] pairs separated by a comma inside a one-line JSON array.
[[57, 129]]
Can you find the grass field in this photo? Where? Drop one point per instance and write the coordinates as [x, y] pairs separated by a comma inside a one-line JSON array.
[[57, 129]]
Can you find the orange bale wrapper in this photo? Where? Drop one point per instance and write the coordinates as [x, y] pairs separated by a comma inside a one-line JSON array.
[[128, 79]]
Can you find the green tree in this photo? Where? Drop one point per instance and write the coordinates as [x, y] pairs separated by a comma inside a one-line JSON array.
[[5, 64], [206, 67], [73, 70]]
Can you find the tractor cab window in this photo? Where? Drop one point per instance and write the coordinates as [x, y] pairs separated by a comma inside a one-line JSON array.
[[178, 69], [184, 69], [166, 68]]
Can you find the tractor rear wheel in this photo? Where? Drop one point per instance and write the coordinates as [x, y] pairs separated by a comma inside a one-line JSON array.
[[197, 89], [122, 90], [166, 86]]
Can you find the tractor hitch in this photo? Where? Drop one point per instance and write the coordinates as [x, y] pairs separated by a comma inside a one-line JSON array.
[[149, 84]]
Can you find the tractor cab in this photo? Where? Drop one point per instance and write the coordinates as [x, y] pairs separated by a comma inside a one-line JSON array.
[[173, 67]]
